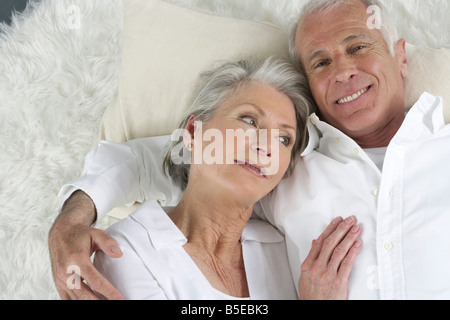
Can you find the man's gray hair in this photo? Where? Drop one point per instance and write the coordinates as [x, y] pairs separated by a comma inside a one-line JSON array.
[[387, 28], [219, 84]]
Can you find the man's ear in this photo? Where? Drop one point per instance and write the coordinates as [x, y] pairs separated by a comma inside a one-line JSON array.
[[402, 59]]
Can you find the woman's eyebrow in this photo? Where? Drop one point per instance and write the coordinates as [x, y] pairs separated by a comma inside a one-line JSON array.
[[260, 111]]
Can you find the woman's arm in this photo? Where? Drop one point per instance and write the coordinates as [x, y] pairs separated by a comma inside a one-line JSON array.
[[326, 270]]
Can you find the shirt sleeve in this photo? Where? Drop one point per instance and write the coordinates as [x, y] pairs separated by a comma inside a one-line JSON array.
[[117, 175], [129, 276]]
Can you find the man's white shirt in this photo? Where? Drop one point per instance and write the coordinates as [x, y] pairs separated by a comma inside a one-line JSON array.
[[404, 210]]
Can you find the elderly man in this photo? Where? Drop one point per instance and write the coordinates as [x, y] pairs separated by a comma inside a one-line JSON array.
[[364, 158]]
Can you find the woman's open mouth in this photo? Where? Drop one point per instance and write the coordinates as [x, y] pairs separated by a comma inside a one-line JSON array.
[[252, 168]]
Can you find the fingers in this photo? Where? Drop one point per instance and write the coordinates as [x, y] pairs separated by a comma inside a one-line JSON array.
[[104, 242], [75, 276], [348, 261], [349, 234], [325, 272], [333, 242], [317, 244], [98, 283]]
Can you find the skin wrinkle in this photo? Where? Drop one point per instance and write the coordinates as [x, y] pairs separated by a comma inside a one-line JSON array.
[[213, 218], [353, 57]]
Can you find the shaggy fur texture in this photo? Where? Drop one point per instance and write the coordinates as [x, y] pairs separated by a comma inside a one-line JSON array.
[[59, 64]]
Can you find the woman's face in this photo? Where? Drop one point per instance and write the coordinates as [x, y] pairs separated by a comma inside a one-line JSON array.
[[246, 147]]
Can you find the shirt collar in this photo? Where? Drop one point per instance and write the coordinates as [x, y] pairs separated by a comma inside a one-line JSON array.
[[163, 232], [160, 228], [260, 231], [318, 129], [428, 111], [425, 118]]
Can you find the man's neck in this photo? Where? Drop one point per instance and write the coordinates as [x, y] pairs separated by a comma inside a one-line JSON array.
[[381, 137]]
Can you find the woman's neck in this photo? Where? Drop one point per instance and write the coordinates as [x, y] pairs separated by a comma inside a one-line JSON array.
[[213, 226], [211, 220]]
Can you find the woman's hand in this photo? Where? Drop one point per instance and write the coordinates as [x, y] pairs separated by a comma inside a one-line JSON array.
[[325, 272]]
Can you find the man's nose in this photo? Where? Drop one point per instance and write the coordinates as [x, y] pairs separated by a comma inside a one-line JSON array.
[[345, 69]]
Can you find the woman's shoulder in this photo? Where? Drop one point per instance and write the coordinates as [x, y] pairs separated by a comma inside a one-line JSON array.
[[148, 225], [134, 226]]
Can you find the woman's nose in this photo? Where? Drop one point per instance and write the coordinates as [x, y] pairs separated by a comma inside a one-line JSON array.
[[262, 146]]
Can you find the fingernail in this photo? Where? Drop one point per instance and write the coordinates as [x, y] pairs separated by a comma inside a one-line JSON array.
[[355, 229], [336, 220], [358, 244], [350, 220], [115, 250]]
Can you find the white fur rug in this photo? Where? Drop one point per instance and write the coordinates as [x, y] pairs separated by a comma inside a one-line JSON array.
[[58, 73]]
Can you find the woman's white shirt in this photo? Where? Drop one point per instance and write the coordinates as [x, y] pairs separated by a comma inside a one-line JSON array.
[[155, 265]]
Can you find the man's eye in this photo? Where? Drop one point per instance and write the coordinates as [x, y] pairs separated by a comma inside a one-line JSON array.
[[358, 48], [321, 64]]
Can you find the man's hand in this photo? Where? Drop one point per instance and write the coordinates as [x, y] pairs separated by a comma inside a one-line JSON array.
[[325, 272], [71, 243]]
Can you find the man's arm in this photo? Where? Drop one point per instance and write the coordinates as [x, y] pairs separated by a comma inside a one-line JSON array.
[[120, 174], [71, 243], [115, 175]]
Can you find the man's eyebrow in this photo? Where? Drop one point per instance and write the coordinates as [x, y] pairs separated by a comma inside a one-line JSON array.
[[315, 54], [357, 36], [349, 38]]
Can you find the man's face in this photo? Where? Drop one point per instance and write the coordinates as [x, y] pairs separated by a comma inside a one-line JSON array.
[[356, 82]]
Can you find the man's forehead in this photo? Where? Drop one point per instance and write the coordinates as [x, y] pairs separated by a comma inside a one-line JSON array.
[[352, 14], [315, 35], [313, 44]]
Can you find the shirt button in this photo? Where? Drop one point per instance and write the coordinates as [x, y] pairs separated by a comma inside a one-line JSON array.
[[376, 193], [356, 151], [313, 121], [388, 246]]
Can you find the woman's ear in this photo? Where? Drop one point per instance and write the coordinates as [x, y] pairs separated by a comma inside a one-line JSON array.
[[189, 133]]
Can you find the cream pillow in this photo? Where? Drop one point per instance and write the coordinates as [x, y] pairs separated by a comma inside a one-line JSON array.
[[429, 70], [165, 48]]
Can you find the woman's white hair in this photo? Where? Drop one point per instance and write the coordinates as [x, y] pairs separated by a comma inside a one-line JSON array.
[[387, 28], [219, 84]]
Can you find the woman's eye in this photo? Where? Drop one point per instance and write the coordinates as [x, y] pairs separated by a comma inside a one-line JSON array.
[[250, 120], [285, 140]]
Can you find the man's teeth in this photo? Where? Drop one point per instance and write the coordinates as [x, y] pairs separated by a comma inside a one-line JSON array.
[[353, 97]]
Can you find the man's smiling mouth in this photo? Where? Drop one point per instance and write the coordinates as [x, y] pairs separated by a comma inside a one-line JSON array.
[[353, 97]]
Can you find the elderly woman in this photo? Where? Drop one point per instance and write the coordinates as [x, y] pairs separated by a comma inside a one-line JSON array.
[[208, 247]]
